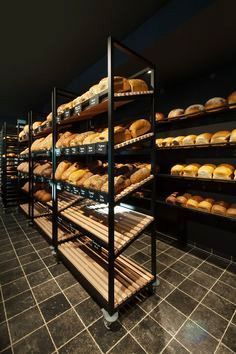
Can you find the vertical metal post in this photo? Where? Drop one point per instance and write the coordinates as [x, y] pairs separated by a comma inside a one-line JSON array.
[[31, 166], [111, 253], [54, 166], [153, 164], [4, 171]]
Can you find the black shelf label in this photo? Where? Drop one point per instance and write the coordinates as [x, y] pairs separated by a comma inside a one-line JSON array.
[[68, 188], [78, 109], [83, 149], [67, 151], [48, 124], [58, 152], [92, 195], [58, 119], [67, 113], [59, 186], [91, 148], [101, 148], [96, 246], [94, 100], [102, 198], [74, 151], [83, 192], [75, 189]]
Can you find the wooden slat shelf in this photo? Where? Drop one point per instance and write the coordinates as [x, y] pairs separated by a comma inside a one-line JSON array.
[[129, 277], [65, 200], [93, 218], [45, 224]]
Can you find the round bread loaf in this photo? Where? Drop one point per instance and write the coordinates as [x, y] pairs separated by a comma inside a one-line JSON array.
[[205, 205], [189, 140], [21, 134], [194, 109], [220, 137], [178, 140], [36, 125], [61, 168], [215, 104], [139, 127], [177, 170], [231, 211], [181, 200], [191, 170], [206, 171], [26, 129], [159, 116], [121, 84], [192, 203], [49, 117], [223, 171], [232, 138], [167, 142], [203, 138], [218, 209], [171, 199], [232, 99], [175, 113], [159, 142], [138, 85]]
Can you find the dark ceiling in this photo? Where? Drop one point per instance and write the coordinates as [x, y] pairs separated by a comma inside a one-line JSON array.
[[48, 43]]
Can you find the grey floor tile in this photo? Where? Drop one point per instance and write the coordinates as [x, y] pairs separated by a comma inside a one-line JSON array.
[[209, 320], [140, 257], [24, 250], [37, 342], [182, 302], [8, 265], [33, 267], [202, 279], [75, 294], [11, 275], [50, 261], [152, 337], [127, 345], [225, 291], [57, 269], [139, 244], [182, 268], [130, 315], [168, 317], [28, 258], [193, 289], [175, 252], [4, 335], [25, 323], [82, 344], [229, 278], [229, 338], [88, 311], [197, 252], [218, 261], [39, 277], [19, 303], [46, 290], [172, 277], [64, 327], [2, 313], [210, 269], [219, 305], [222, 349], [54, 306], [164, 288], [195, 339], [175, 347], [104, 338], [7, 256], [148, 302], [66, 280], [166, 259], [14, 288]]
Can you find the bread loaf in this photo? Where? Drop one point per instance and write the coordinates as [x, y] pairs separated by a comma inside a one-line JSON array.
[[191, 170], [203, 138], [119, 135], [223, 171], [66, 141], [21, 134], [79, 138], [215, 104], [139, 127], [177, 170], [76, 175], [233, 136], [192, 203], [231, 211], [175, 113], [120, 183], [206, 171], [49, 117], [218, 209], [189, 140], [167, 142], [120, 84], [65, 175], [96, 182], [77, 101], [82, 180], [171, 199], [25, 187], [178, 140], [159, 116], [127, 135], [85, 97], [232, 99], [140, 175], [36, 125], [94, 90], [138, 85], [220, 137], [206, 205], [90, 138], [26, 129], [46, 144], [61, 168], [194, 109], [159, 142], [63, 107], [181, 200]]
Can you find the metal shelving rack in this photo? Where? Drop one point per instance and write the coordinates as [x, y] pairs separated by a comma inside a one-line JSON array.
[[9, 162], [118, 279], [22, 145]]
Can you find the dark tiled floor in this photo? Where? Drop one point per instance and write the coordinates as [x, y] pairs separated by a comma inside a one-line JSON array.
[[43, 309]]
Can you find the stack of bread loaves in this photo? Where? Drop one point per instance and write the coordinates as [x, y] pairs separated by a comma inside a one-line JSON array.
[[23, 167], [42, 143], [43, 169], [223, 136], [223, 171], [203, 204], [43, 195], [94, 175]]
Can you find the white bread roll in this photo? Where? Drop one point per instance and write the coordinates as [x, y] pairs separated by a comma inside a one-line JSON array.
[[159, 142], [232, 99], [206, 171], [167, 141], [178, 140], [194, 109], [232, 138], [223, 171], [189, 140], [215, 104], [174, 113], [191, 170], [220, 137], [177, 170], [203, 138], [159, 116], [206, 205], [139, 127], [90, 138], [36, 125], [138, 85], [79, 138]]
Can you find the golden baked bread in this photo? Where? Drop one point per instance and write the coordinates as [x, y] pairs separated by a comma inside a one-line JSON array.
[[79, 138], [218, 209], [215, 104], [139, 127], [181, 200], [232, 138], [178, 140], [26, 129], [120, 183], [46, 144], [171, 199], [65, 175], [206, 171], [94, 90], [223, 171], [25, 187], [64, 106], [62, 138], [191, 170], [187, 195], [61, 168], [192, 203], [36, 125], [82, 180], [232, 99], [206, 205], [189, 140], [76, 101], [167, 142], [66, 141], [231, 211], [140, 175], [127, 134], [76, 175], [96, 182], [203, 138], [220, 137], [177, 170], [49, 117], [159, 116], [90, 138], [175, 113], [119, 135], [120, 84], [159, 142], [194, 109], [138, 85]]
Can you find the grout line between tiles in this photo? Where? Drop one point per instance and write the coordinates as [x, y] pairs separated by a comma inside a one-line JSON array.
[[229, 323]]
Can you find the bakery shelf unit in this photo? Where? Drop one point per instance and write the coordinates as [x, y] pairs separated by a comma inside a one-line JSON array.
[[180, 218], [105, 227], [9, 162], [23, 144]]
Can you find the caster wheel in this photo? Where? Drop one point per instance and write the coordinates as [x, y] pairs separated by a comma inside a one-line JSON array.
[[150, 290], [107, 324]]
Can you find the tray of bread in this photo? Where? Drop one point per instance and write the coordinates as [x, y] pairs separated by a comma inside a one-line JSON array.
[[223, 138], [203, 204], [213, 105]]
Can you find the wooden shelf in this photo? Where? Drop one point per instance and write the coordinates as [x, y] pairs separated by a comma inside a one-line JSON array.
[[65, 200], [201, 180], [93, 219], [130, 278]]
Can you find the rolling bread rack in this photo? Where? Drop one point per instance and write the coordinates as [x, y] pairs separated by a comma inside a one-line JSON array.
[[90, 229]]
